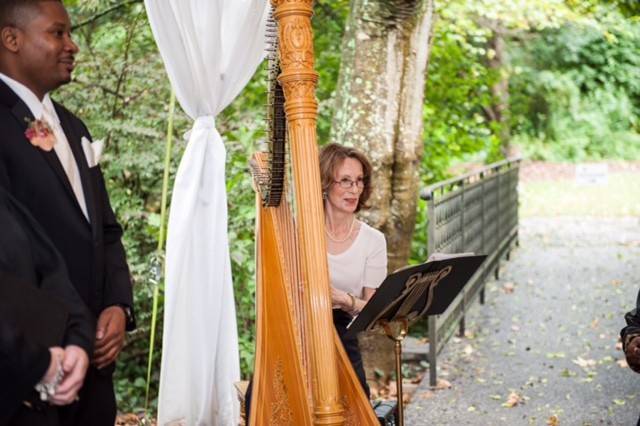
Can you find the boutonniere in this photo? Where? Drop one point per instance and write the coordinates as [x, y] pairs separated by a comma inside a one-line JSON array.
[[40, 134]]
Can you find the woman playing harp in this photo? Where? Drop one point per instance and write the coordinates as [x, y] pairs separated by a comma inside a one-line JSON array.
[[357, 253]]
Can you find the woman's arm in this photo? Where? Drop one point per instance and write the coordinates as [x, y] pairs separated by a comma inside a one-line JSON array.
[[349, 302]]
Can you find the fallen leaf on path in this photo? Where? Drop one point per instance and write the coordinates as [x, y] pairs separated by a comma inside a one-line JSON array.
[[585, 363], [508, 288], [468, 350], [553, 421], [607, 359], [417, 379], [513, 399], [128, 420], [393, 389], [425, 395], [381, 391], [442, 384]]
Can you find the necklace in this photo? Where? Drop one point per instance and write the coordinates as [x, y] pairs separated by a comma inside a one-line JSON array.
[[336, 240]]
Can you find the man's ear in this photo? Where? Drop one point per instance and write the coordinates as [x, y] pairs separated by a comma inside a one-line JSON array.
[[10, 38]]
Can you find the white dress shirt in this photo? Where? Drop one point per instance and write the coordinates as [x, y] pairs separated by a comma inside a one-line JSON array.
[[44, 110]]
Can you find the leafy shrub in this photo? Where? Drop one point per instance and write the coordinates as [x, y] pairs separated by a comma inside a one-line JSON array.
[[576, 95]]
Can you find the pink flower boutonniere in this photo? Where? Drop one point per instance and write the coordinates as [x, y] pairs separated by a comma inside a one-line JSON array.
[[40, 134]]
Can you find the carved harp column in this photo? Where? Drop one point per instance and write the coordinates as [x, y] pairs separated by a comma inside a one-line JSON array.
[[299, 80]]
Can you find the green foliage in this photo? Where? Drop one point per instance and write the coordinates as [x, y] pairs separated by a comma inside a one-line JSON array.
[[458, 91], [240, 145], [328, 28], [457, 127], [576, 95]]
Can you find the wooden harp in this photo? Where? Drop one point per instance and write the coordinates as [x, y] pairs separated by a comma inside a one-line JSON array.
[[302, 375]]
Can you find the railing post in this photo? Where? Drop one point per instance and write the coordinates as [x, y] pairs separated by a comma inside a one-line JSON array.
[[482, 209], [498, 223], [517, 204], [431, 225], [433, 349], [463, 239], [432, 320], [463, 236]]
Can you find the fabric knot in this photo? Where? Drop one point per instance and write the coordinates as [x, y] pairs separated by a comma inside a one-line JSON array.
[[204, 124]]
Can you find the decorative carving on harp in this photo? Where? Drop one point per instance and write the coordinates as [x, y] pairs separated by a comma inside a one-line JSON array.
[[302, 375]]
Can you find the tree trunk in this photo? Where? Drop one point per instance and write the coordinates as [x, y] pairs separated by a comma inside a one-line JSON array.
[[379, 104], [500, 90]]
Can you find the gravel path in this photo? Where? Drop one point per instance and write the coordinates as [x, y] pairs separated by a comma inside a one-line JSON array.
[[543, 350]]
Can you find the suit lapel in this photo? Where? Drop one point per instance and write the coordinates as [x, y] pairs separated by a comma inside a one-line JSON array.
[[74, 137], [23, 114]]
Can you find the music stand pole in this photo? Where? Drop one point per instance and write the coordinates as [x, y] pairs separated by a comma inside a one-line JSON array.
[[401, 326]]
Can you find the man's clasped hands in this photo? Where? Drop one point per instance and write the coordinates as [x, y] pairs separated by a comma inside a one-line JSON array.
[[68, 366]]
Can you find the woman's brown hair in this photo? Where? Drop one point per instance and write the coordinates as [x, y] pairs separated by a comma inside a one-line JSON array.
[[331, 157]]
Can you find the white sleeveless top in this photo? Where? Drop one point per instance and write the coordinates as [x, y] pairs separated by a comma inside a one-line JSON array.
[[363, 264]]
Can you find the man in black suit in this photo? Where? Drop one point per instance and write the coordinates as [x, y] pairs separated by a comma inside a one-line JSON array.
[[630, 336], [47, 163], [46, 331]]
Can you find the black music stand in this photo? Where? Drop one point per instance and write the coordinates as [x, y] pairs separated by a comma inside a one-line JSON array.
[[410, 293]]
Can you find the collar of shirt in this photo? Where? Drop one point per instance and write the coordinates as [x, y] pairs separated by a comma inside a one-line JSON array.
[[47, 105], [29, 98]]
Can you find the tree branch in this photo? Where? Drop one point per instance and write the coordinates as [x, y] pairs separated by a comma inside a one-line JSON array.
[[104, 89], [105, 12]]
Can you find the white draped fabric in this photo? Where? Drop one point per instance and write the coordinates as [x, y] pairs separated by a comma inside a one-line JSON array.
[[210, 48]]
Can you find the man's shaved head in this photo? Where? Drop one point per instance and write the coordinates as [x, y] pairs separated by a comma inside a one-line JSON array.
[[36, 47], [14, 13]]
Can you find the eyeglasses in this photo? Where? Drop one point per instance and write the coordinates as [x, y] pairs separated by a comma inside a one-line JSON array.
[[347, 183]]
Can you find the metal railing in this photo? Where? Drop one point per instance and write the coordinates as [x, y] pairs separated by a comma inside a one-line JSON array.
[[476, 212]]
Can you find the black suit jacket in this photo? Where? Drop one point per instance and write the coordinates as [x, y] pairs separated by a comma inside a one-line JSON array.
[[39, 306], [92, 250], [633, 324]]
